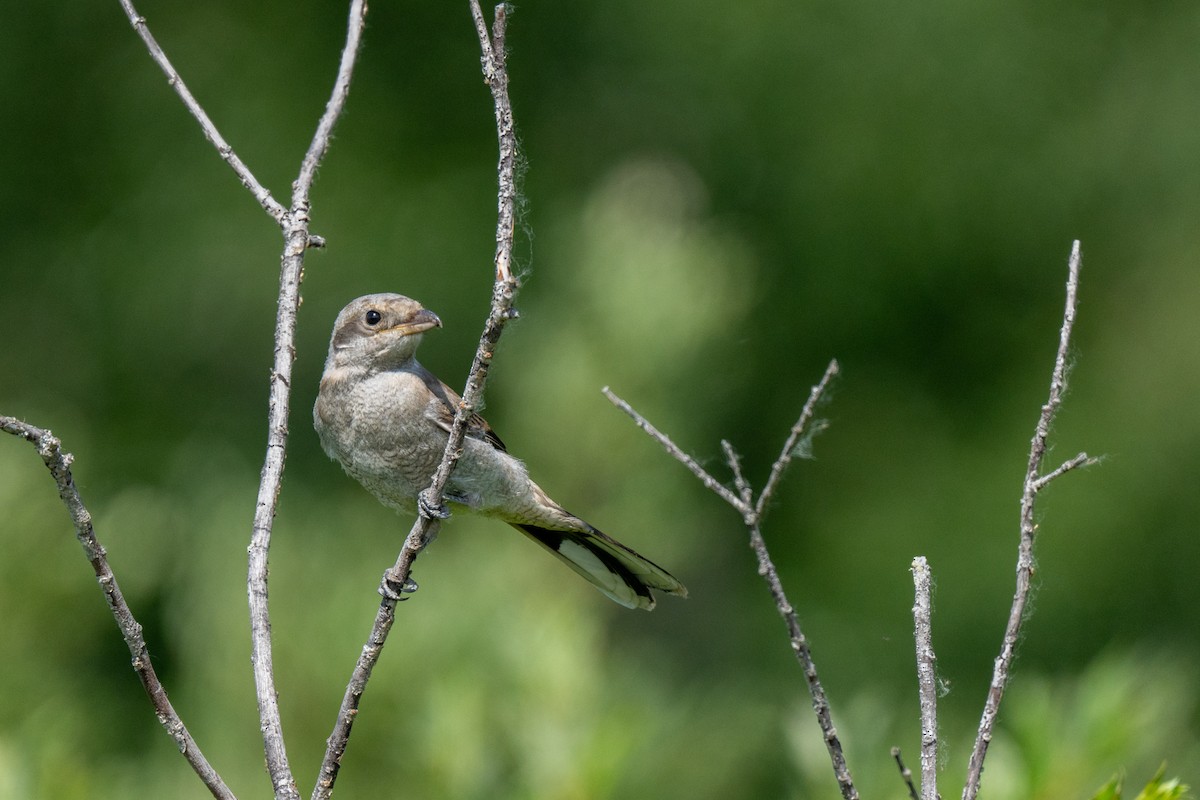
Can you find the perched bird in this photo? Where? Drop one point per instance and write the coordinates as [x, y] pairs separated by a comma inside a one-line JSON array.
[[386, 419]]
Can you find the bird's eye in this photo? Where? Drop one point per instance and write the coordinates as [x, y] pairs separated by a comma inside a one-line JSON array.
[[373, 317]]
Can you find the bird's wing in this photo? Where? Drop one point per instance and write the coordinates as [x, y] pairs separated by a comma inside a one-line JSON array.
[[446, 407]]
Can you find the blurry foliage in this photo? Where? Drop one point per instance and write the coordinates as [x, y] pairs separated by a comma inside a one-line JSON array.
[[1156, 789], [720, 199]]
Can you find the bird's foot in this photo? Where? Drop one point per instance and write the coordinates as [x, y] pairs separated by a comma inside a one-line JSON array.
[[430, 509], [395, 589]]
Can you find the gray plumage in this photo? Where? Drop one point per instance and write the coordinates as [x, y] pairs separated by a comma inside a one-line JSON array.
[[386, 419]]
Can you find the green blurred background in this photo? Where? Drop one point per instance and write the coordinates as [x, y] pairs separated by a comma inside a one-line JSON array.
[[720, 198]]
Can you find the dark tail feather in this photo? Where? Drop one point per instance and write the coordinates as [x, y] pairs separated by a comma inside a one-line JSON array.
[[614, 569]]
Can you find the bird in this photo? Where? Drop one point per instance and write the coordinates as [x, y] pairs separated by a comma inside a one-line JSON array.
[[386, 419]]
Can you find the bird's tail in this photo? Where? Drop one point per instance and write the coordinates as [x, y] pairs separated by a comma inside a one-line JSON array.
[[621, 574]]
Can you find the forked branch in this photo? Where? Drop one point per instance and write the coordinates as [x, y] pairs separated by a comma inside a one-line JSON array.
[[1033, 484], [296, 242], [297, 239], [752, 512]]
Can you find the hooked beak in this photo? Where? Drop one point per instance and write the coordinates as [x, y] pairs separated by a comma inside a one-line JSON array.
[[419, 322]]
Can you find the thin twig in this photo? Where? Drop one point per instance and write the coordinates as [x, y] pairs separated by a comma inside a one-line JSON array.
[[503, 293], [789, 446], [1081, 460], [58, 461], [926, 676], [297, 240], [766, 568], [905, 774], [739, 479], [683, 458], [1032, 485], [319, 145], [495, 75], [264, 198], [820, 702], [752, 513]]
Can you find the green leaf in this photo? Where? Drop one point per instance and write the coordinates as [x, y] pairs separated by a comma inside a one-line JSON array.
[[1156, 789]]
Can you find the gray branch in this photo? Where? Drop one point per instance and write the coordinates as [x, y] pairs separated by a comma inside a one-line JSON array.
[[264, 198], [59, 461], [297, 239], [752, 513], [794, 438], [504, 290], [744, 508], [926, 676], [905, 774], [1033, 484], [296, 243]]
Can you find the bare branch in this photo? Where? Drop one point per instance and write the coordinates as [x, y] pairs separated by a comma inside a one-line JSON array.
[[1032, 485], [820, 703], [739, 479], [1081, 460], [752, 516], [905, 774], [789, 446], [926, 677], [683, 458], [58, 461], [495, 75], [397, 578], [297, 240], [333, 108], [264, 198]]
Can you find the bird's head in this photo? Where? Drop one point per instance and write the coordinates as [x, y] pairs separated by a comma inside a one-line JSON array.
[[379, 330]]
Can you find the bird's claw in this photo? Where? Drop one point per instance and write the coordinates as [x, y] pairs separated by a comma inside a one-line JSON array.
[[395, 589], [429, 509]]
